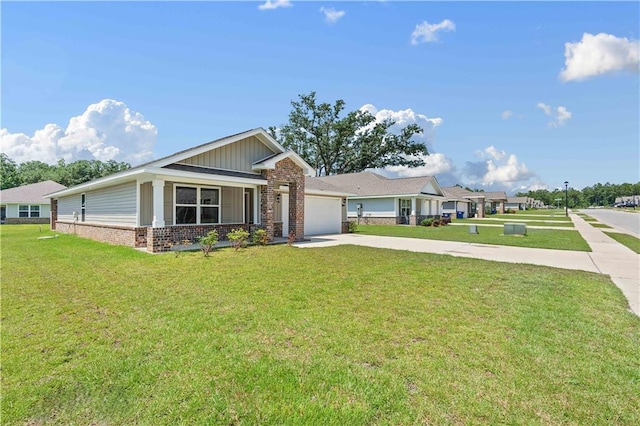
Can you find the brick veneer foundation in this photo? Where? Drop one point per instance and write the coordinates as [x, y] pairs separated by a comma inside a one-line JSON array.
[[122, 235], [26, 220]]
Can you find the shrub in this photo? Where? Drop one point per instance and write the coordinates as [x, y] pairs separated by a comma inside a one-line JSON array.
[[260, 237], [353, 226], [435, 223], [291, 239], [427, 222], [445, 221], [238, 238], [510, 211], [208, 242]]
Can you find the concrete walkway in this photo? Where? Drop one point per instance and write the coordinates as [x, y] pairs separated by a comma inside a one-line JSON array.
[[608, 256]]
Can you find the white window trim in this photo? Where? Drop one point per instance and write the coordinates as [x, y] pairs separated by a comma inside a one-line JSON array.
[[197, 205], [29, 209], [83, 207]]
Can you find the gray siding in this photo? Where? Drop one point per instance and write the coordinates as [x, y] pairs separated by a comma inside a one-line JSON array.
[[146, 204], [67, 205], [376, 207], [236, 156], [232, 202], [114, 205]]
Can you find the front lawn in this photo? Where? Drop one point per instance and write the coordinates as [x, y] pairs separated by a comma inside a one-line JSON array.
[[501, 221], [99, 334], [532, 215], [628, 240], [535, 238]]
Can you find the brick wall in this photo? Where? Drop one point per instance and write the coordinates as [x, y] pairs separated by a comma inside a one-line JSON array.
[[161, 239], [26, 220], [121, 235], [54, 214]]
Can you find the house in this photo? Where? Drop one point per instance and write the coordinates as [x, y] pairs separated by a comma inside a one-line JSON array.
[[517, 203], [376, 199], [247, 180], [495, 202], [25, 204], [463, 203]]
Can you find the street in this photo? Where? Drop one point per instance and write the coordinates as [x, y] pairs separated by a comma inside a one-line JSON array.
[[625, 221]]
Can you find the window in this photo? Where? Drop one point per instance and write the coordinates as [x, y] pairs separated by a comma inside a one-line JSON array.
[[83, 206], [197, 205], [449, 205], [26, 210]]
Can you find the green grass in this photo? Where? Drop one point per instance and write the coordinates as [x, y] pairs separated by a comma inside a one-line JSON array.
[[599, 225], [501, 221], [535, 238], [545, 212], [532, 215], [628, 240], [99, 334]]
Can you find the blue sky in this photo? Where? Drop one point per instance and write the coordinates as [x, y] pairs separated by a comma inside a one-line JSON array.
[[512, 95]]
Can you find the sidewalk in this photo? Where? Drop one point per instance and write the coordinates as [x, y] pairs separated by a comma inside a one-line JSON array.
[[608, 256]]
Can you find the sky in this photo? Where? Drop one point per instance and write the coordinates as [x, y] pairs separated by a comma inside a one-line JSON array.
[[511, 95]]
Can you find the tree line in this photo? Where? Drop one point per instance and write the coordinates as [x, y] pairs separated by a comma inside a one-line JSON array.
[[75, 173], [596, 195]]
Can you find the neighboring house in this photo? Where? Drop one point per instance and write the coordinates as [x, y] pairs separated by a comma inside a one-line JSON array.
[[495, 202], [247, 180], [463, 203], [517, 203], [377, 199], [25, 204]]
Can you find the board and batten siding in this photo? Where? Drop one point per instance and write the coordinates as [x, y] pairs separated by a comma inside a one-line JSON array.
[[232, 199], [111, 206], [236, 156], [146, 204]]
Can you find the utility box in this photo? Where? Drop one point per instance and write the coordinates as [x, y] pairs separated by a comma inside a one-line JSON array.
[[515, 229], [473, 229]]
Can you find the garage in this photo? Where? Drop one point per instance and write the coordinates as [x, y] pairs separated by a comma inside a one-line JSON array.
[[322, 215]]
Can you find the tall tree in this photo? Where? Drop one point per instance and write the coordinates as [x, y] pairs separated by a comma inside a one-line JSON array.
[[9, 176], [333, 144]]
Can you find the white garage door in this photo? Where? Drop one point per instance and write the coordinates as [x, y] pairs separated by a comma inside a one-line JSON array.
[[322, 215]]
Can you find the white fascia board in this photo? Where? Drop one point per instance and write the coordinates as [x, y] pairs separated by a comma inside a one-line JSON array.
[[259, 133]]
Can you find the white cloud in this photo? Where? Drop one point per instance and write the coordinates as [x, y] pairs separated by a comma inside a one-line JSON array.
[[107, 130], [506, 114], [434, 164], [274, 4], [497, 169], [600, 54], [331, 15], [559, 116], [426, 32]]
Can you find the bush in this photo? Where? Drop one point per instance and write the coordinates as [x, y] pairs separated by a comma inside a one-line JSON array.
[[510, 211], [445, 221], [435, 223], [208, 242], [353, 226], [238, 238], [260, 237], [427, 222]]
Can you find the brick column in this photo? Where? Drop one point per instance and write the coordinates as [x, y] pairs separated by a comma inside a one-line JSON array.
[[267, 203]]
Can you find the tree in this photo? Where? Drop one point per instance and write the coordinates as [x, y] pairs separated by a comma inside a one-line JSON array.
[[353, 143], [36, 171], [9, 177]]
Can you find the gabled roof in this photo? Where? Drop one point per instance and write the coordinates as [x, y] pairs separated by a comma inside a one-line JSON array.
[[457, 193], [31, 194], [313, 185], [519, 200], [495, 196], [369, 184], [159, 166], [270, 162]]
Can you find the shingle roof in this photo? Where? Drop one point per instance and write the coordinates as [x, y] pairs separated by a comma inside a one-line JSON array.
[[31, 193], [496, 195], [455, 192], [372, 184], [522, 200]]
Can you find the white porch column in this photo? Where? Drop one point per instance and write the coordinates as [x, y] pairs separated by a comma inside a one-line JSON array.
[[158, 203], [413, 206], [256, 205]]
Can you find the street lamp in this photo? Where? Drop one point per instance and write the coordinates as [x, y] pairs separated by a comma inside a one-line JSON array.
[[566, 198]]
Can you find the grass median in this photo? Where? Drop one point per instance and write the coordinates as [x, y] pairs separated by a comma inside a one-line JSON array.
[[501, 221], [100, 334], [625, 239], [535, 238]]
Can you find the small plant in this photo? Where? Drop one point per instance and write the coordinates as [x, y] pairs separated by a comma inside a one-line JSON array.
[[353, 226], [260, 237], [238, 238], [208, 242], [435, 223], [510, 211], [427, 222], [291, 238], [445, 221]]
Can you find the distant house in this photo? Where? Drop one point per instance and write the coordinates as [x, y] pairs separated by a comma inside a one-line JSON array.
[[247, 180], [26, 203], [517, 203], [376, 199], [465, 203]]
